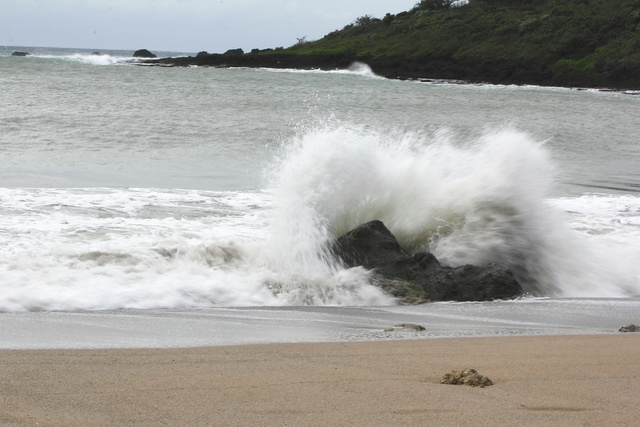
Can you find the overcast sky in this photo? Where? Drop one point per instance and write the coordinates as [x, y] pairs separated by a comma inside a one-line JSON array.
[[180, 25]]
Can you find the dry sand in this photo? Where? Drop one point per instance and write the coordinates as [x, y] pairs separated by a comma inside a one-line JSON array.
[[543, 380]]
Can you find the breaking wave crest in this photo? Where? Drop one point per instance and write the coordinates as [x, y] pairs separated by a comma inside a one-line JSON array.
[[468, 202]]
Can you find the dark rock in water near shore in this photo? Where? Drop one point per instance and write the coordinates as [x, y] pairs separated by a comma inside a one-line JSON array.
[[143, 53], [629, 328], [18, 53], [421, 278]]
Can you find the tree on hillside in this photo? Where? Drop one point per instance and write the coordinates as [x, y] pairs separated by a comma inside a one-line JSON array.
[[435, 4]]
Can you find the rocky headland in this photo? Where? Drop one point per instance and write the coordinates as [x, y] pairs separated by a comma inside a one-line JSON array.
[[588, 43]]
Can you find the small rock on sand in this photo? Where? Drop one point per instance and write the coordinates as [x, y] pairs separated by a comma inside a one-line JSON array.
[[468, 376], [629, 328], [405, 327]]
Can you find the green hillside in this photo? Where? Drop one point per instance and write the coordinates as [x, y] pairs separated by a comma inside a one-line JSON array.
[[560, 42]]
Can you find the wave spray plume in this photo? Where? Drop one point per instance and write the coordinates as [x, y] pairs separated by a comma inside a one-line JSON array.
[[475, 202]]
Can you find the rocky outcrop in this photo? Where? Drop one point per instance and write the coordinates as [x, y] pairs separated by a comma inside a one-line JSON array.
[[420, 277], [497, 71], [234, 52], [18, 53], [143, 53], [260, 59]]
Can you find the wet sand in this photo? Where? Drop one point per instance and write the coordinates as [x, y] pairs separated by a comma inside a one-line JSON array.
[[538, 380]]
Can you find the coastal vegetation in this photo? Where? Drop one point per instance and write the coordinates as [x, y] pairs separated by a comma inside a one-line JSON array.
[[578, 43], [564, 42]]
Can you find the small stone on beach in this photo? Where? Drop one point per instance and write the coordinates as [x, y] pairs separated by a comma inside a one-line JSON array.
[[468, 376], [405, 327], [629, 328]]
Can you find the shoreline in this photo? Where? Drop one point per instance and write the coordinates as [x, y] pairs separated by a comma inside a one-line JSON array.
[[393, 68], [335, 62], [559, 380], [204, 327]]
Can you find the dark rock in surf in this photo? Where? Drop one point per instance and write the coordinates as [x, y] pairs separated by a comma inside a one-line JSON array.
[[143, 53], [629, 328], [18, 53], [420, 278]]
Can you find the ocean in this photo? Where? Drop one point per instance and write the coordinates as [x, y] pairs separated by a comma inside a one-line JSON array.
[[158, 206]]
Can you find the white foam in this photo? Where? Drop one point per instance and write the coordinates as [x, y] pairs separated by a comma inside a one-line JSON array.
[[473, 202], [66, 249], [357, 68], [478, 201], [97, 59], [92, 59]]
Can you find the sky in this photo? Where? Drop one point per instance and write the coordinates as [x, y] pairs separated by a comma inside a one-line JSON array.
[[180, 25]]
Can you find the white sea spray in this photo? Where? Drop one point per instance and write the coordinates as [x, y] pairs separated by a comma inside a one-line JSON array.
[[468, 202], [139, 187]]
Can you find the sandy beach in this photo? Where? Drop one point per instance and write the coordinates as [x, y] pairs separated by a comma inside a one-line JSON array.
[[538, 380]]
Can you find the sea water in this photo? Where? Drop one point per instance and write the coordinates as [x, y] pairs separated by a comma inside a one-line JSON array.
[[136, 192]]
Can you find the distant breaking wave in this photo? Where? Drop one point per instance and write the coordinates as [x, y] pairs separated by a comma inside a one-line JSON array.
[[357, 68], [102, 59], [87, 56]]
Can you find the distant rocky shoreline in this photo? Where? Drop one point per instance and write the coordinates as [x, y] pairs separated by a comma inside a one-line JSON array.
[[397, 68], [487, 71], [257, 59]]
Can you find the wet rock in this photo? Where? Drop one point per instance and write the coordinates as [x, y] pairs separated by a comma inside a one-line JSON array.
[[420, 277], [629, 328], [236, 58], [405, 327], [143, 53], [467, 376], [18, 53]]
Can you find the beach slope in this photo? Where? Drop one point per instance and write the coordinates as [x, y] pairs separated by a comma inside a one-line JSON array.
[[538, 380]]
